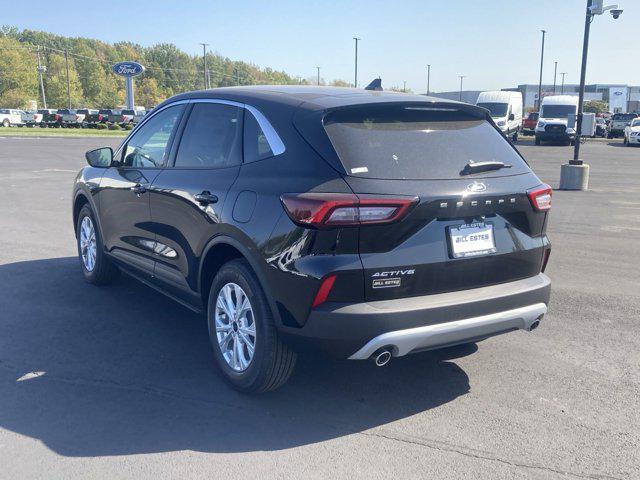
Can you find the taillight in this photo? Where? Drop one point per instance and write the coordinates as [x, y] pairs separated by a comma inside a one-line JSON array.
[[58, 117], [99, 118], [324, 290], [540, 198], [344, 209], [77, 117]]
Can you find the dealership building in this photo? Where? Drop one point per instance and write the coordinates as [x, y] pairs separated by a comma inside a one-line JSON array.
[[621, 98]]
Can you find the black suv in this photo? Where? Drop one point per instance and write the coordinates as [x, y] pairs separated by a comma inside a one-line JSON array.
[[369, 224]]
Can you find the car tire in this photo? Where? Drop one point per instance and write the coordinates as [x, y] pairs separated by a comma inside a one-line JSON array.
[[514, 139], [99, 271], [271, 363], [6, 123]]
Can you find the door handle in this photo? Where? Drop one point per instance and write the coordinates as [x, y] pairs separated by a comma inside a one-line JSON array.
[[138, 189], [205, 198]]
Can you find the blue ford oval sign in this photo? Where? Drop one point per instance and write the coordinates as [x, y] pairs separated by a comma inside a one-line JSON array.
[[127, 69]]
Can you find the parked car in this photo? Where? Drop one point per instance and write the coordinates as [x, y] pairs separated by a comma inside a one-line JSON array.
[[46, 117], [632, 133], [554, 115], [601, 127], [619, 121], [132, 116], [90, 117], [115, 116], [69, 118], [529, 124], [303, 216], [9, 117], [28, 119], [105, 113], [506, 110]]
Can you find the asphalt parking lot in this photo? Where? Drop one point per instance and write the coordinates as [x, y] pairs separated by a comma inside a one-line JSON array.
[[119, 382]]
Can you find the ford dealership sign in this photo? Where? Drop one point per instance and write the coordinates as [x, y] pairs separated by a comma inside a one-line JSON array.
[[127, 69]]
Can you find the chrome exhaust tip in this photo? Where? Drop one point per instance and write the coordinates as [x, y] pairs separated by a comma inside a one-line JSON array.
[[535, 324], [382, 357]]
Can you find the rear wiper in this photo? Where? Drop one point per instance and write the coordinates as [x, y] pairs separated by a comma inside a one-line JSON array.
[[477, 167]]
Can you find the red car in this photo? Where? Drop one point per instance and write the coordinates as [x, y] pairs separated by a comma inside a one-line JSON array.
[[529, 123]]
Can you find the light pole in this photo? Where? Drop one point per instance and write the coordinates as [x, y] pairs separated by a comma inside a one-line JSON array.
[[575, 174], [428, 78], [544, 32], [555, 72], [204, 57], [355, 81], [404, 87], [461, 78], [41, 69], [318, 81], [562, 87]]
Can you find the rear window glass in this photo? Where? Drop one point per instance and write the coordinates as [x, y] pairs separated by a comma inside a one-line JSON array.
[[409, 142], [624, 116]]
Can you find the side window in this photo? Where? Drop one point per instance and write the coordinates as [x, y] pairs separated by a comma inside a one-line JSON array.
[[212, 137], [147, 148], [256, 145]]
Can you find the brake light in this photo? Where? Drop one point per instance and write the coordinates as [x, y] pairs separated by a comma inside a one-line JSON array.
[[100, 117], [323, 291], [122, 117], [540, 198], [58, 117], [323, 210], [77, 117]]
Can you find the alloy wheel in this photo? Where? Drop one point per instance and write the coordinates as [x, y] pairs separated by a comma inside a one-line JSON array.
[[88, 244], [235, 327]]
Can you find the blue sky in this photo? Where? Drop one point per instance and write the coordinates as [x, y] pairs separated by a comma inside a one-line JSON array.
[[495, 43]]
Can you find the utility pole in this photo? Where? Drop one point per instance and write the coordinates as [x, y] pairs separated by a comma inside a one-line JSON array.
[[562, 88], [461, 77], [404, 88], [318, 82], [544, 32], [355, 82], [555, 71], [583, 73], [66, 59], [204, 57], [428, 78], [41, 70]]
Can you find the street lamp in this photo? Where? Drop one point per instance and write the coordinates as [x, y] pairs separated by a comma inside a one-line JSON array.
[[575, 174], [355, 81], [318, 82], [562, 87], [460, 95], [555, 73], [544, 32], [428, 78]]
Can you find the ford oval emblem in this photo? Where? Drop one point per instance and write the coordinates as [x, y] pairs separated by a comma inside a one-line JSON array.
[[617, 93], [127, 69], [476, 187]]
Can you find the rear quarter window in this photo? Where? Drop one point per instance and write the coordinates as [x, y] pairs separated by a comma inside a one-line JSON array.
[[409, 142]]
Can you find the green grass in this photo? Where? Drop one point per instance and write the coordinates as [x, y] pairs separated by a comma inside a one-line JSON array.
[[60, 132]]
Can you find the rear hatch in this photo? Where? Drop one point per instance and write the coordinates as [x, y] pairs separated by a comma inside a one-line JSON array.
[[469, 227]]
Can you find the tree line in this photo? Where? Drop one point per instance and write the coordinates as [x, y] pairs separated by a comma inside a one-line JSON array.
[[169, 71]]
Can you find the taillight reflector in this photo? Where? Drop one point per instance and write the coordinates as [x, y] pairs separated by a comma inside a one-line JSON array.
[[323, 291], [344, 209], [540, 197]]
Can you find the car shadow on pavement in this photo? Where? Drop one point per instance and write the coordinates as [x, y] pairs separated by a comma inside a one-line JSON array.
[[122, 370]]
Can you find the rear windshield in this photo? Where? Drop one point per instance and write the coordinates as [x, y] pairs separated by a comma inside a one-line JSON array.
[[533, 116], [413, 142]]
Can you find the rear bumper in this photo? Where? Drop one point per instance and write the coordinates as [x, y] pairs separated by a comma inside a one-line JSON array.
[[554, 136], [427, 322]]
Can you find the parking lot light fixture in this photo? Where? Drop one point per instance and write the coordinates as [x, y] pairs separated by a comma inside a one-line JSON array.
[[544, 32], [428, 78], [355, 80], [461, 78], [562, 85], [575, 174]]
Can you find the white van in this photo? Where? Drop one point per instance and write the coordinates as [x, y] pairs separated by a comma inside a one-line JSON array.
[[553, 118], [506, 110]]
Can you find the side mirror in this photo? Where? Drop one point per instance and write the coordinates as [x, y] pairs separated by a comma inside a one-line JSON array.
[[512, 116], [100, 157]]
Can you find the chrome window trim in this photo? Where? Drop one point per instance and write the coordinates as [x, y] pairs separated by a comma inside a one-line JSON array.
[[275, 143]]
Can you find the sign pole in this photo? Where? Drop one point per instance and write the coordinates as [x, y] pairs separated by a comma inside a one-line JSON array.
[[129, 92]]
